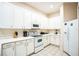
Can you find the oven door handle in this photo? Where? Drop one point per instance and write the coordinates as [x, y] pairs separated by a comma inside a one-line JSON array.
[[40, 40]]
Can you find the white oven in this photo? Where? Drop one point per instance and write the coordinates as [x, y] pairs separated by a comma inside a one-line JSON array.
[[38, 43]]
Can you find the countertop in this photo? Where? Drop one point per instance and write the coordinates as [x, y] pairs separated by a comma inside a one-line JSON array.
[[50, 34], [2, 41]]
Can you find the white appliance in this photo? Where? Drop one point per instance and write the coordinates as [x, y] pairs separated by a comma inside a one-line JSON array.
[[38, 43], [34, 30], [71, 37], [66, 37], [35, 26]]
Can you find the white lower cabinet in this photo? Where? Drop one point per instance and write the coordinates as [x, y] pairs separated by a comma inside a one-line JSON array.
[[30, 46], [20, 49], [46, 40], [55, 39], [8, 49], [52, 41]]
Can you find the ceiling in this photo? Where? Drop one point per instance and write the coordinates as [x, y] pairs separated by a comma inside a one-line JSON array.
[[45, 7]]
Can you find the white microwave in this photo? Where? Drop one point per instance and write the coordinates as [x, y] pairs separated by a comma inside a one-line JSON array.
[[35, 26]]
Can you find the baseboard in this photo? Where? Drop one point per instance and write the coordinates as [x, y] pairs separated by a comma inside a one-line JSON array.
[[30, 54], [67, 53], [47, 45], [38, 51]]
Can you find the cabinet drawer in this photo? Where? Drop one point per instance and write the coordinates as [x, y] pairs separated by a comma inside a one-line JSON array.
[[30, 40], [7, 45], [20, 42]]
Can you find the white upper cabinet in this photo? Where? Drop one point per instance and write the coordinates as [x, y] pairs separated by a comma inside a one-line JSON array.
[[6, 15], [40, 19], [35, 18], [54, 23], [44, 23], [13, 16], [27, 19], [18, 17]]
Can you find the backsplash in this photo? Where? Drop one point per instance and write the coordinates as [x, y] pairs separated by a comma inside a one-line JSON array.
[[8, 33]]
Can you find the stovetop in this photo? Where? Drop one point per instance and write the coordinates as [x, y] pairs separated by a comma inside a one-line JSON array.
[[36, 35]]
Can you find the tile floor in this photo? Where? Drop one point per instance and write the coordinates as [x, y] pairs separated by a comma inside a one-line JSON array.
[[50, 51]]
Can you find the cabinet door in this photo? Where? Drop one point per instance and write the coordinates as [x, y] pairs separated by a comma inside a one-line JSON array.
[[27, 19], [20, 48], [35, 18], [18, 17], [8, 49], [30, 46], [6, 15], [66, 37], [55, 22], [45, 40], [73, 38], [48, 39], [43, 23], [57, 40], [52, 40]]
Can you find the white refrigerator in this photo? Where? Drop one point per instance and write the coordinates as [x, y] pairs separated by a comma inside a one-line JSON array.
[[71, 37]]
